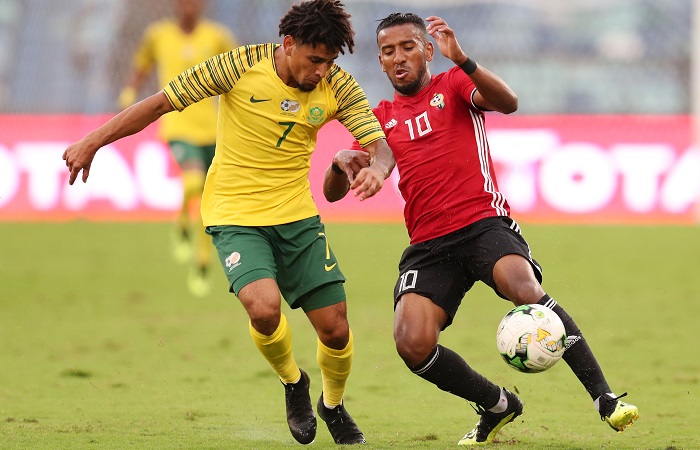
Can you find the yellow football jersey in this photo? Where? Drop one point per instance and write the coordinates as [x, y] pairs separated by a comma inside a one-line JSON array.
[[267, 133], [172, 51]]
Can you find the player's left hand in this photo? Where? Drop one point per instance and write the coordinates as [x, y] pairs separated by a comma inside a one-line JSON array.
[[368, 182], [446, 40], [351, 162], [78, 156]]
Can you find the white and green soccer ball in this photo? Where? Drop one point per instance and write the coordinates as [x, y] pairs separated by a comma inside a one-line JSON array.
[[531, 338]]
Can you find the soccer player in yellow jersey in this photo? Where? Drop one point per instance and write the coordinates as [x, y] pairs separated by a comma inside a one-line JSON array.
[[172, 46], [257, 204]]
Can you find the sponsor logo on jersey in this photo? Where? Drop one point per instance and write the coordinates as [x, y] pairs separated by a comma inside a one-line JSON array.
[[258, 100], [291, 106], [390, 124], [233, 260], [438, 101]]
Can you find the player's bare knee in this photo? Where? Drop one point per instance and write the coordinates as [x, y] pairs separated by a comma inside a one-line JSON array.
[[264, 318], [336, 336], [526, 292], [413, 351], [266, 327]]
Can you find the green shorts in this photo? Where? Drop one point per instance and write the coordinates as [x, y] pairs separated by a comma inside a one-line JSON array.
[[296, 255], [188, 155]]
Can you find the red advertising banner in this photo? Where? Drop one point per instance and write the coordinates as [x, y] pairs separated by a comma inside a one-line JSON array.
[[582, 169]]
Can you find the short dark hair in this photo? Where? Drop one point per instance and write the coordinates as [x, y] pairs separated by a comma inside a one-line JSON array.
[[399, 19], [319, 22]]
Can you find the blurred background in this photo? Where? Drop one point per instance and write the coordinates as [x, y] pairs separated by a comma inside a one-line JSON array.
[[604, 130], [562, 57]]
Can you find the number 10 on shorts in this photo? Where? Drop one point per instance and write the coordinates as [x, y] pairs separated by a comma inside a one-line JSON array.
[[408, 280]]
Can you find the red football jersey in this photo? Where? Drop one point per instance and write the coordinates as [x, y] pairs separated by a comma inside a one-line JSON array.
[[445, 168]]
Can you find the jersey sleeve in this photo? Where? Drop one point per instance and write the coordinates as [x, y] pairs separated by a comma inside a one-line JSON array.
[[215, 76], [354, 111], [144, 57], [463, 86], [378, 114]]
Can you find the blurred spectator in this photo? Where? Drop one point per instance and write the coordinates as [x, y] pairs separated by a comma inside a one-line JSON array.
[[10, 11], [171, 46]]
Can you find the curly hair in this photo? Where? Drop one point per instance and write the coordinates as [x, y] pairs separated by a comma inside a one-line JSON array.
[[395, 19], [319, 22]]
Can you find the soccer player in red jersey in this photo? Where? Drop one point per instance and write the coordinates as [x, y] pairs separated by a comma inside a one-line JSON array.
[[459, 223]]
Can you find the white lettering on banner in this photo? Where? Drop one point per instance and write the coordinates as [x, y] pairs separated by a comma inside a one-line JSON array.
[[579, 178], [45, 170], [682, 186], [151, 169], [642, 167], [520, 153], [9, 177], [537, 172], [110, 179]]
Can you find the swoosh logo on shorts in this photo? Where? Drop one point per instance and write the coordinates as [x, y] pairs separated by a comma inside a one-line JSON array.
[[328, 254], [258, 100]]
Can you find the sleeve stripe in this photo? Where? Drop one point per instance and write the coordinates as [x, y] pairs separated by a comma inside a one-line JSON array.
[[215, 76], [354, 111]]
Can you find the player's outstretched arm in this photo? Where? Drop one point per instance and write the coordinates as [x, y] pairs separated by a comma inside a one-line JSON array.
[[492, 93], [79, 156]]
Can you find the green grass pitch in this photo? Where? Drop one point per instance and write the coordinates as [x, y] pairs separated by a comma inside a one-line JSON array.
[[101, 347]]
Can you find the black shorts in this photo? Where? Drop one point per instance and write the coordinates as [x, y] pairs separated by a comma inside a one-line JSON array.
[[445, 268]]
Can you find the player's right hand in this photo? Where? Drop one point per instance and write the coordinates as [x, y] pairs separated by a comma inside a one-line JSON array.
[[368, 182], [445, 38], [78, 156]]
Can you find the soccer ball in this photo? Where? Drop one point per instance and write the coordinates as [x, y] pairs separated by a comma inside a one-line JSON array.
[[531, 338]]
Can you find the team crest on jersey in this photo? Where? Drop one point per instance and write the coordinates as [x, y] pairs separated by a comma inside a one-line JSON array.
[[390, 124], [233, 260], [315, 115], [438, 101], [290, 106]]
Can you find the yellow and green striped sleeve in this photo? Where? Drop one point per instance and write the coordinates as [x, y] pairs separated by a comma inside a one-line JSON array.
[[215, 76], [354, 110]]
